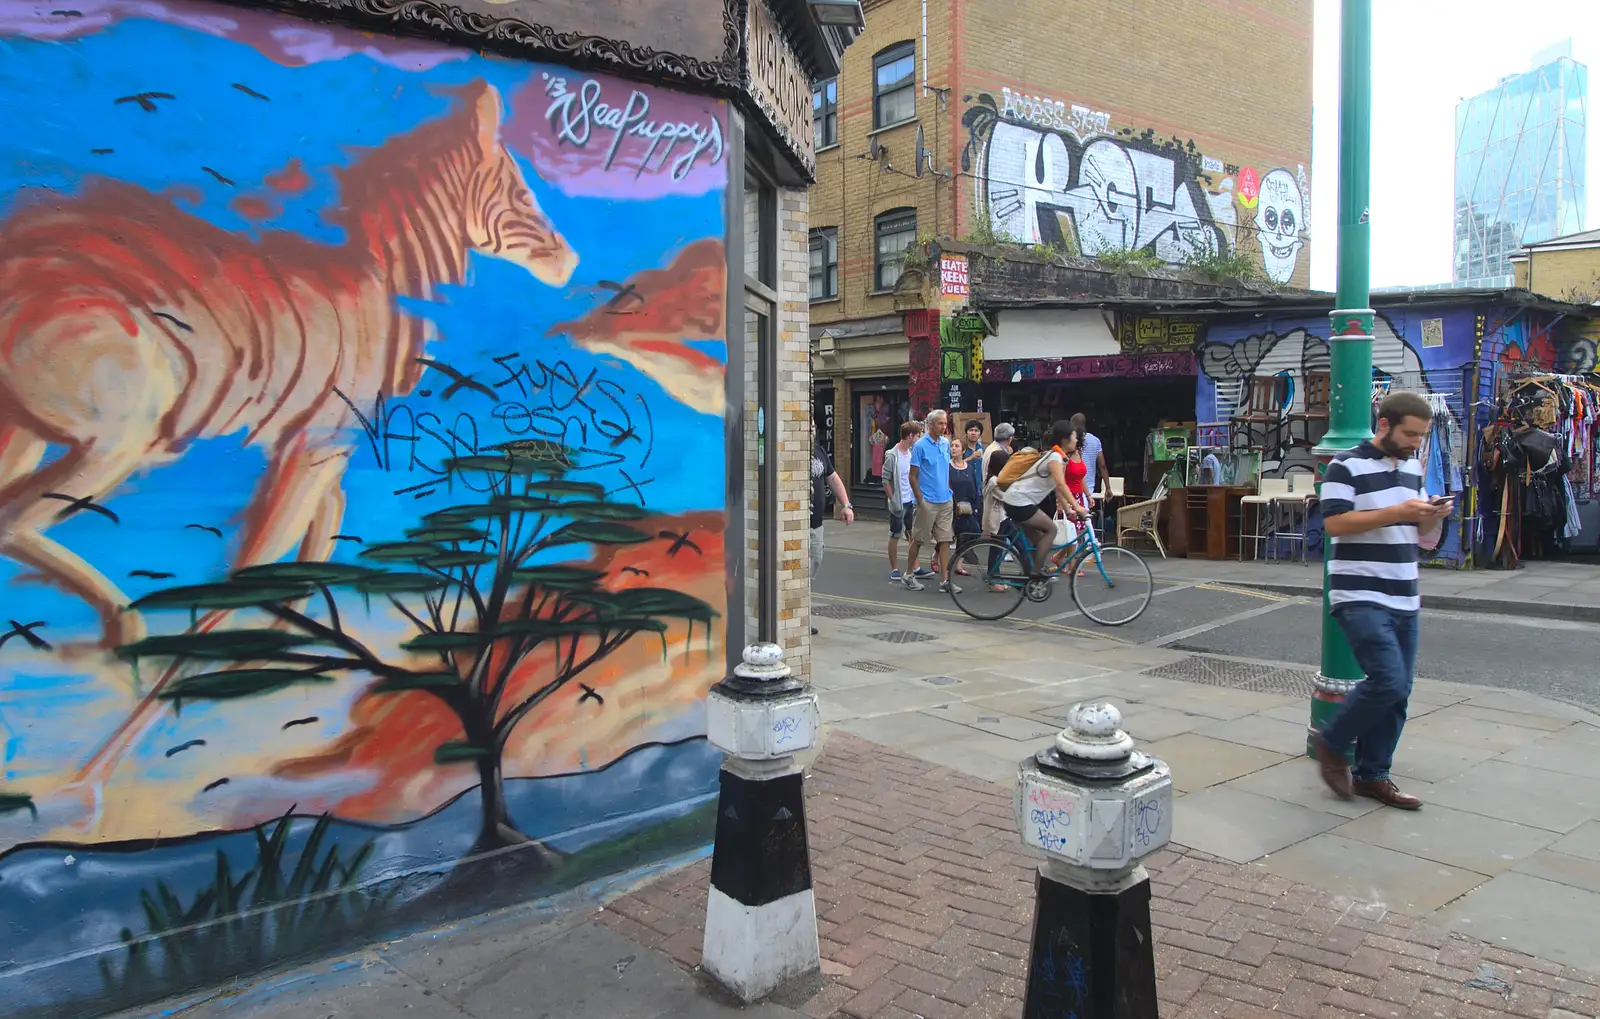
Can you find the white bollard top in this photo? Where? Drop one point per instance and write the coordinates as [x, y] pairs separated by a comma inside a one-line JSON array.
[[762, 661], [1094, 733]]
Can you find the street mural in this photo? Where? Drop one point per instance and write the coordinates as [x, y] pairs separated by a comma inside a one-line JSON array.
[[361, 488], [1428, 351], [1047, 173]]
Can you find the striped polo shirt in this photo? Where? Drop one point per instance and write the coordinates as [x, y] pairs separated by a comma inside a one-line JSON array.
[[1378, 567]]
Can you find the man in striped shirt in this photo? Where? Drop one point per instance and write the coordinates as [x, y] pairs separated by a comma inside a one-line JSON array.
[[1375, 514]]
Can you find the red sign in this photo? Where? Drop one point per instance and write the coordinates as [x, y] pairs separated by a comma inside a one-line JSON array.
[[953, 275], [1249, 187]]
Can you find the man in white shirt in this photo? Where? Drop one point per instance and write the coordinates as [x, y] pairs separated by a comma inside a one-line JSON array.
[[897, 493]]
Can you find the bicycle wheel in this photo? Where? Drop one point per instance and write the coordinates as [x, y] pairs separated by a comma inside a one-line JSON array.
[[1000, 564], [1112, 586]]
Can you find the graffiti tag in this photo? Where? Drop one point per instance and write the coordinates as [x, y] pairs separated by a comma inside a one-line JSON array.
[[577, 117]]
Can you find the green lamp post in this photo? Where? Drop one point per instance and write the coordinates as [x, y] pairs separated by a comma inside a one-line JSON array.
[[1350, 334]]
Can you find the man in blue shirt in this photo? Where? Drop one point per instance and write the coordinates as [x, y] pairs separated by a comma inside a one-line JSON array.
[[930, 486]]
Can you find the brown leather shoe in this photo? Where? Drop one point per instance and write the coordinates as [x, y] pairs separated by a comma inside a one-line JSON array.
[[1335, 769], [1388, 794]]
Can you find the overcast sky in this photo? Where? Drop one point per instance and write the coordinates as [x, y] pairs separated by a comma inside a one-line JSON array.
[[1426, 56]]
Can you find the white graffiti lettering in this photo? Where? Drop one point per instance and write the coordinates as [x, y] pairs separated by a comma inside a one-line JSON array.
[[1051, 176], [574, 117]]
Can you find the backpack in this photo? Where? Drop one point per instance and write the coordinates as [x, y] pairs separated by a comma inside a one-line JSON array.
[[1020, 463]]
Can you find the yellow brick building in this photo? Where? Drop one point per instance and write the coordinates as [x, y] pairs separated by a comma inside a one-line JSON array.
[[1170, 126], [1566, 268]]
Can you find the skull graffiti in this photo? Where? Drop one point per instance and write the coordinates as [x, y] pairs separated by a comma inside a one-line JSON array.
[[1279, 221]]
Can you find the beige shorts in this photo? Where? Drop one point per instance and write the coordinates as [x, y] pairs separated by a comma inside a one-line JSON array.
[[935, 523]]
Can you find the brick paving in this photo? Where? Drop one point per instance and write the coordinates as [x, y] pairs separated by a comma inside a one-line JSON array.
[[925, 899]]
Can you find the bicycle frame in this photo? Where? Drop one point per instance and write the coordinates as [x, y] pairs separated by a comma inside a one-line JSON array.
[[1086, 538]]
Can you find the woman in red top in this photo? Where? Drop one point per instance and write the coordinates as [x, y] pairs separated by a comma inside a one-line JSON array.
[[1073, 471]]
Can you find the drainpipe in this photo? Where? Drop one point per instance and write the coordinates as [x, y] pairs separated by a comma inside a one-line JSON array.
[[924, 49]]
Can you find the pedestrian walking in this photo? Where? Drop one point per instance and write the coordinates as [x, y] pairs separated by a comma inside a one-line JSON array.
[[966, 495], [1000, 447], [897, 493], [1375, 518], [973, 444], [930, 486], [823, 479], [1094, 456]]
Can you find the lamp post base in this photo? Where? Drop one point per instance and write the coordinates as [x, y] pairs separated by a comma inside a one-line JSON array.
[[1327, 697]]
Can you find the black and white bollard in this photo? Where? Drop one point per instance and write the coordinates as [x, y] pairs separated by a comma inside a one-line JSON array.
[[1094, 806], [761, 915]]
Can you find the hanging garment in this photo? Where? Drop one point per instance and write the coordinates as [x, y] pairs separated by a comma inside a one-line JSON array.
[[1574, 525], [1434, 462]]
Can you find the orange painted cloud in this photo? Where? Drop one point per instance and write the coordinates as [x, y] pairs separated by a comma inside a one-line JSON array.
[[646, 323]]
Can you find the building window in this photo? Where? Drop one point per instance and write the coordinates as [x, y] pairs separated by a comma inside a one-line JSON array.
[[894, 73], [825, 113], [896, 231], [824, 264]]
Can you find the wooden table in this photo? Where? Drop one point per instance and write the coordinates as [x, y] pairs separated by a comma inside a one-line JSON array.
[[1203, 521]]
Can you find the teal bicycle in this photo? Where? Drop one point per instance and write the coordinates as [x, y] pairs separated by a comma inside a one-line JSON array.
[[1110, 585]]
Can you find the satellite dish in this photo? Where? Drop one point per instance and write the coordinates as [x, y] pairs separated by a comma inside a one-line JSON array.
[[922, 151], [875, 149]]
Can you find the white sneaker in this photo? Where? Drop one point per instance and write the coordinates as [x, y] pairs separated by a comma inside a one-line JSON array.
[[945, 587], [911, 583]]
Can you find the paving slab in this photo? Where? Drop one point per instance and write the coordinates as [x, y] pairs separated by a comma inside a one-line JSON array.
[[1199, 761], [1436, 832], [1370, 873], [1567, 757], [1242, 826], [1426, 760], [1297, 781], [1562, 869], [1455, 725], [1554, 920], [1148, 724], [1261, 732], [1515, 792], [1582, 841]]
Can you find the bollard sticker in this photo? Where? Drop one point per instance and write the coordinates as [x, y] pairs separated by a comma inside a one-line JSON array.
[[1051, 820], [1152, 822]]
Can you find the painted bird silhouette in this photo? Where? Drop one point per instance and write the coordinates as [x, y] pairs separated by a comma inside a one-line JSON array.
[[152, 574], [458, 380], [220, 177], [291, 723], [636, 571], [203, 527], [81, 503], [25, 631], [679, 542], [247, 90], [146, 100], [348, 537], [181, 747], [589, 693], [218, 784]]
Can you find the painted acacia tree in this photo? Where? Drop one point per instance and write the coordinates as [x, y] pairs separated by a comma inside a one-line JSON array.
[[476, 583]]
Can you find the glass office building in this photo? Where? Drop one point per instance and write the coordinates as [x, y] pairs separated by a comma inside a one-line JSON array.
[[1520, 164]]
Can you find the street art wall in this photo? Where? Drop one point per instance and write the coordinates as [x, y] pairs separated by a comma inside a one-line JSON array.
[[361, 488], [1431, 351], [1047, 173]]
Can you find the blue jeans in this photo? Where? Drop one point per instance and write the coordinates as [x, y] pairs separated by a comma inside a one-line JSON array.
[[1385, 646]]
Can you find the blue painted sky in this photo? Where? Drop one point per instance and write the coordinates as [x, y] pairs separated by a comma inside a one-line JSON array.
[[57, 104]]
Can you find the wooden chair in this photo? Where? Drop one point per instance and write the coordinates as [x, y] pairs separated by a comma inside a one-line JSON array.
[[1318, 402], [1142, 519], [1261, 406]]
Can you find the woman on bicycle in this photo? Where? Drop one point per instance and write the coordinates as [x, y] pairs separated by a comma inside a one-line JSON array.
[[1032, 499]]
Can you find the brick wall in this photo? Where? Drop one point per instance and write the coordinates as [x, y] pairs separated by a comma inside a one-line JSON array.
[[793, 421], [1561, 273], [1228, 82]]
